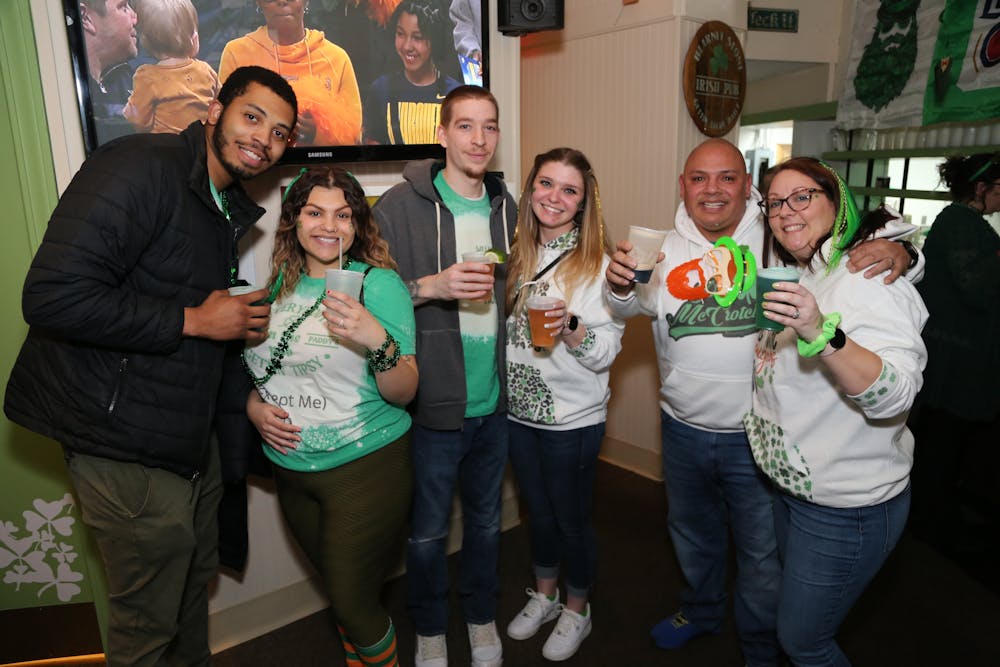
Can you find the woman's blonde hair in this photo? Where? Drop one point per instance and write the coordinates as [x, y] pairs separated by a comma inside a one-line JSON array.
[[584, 262], [288, 256]]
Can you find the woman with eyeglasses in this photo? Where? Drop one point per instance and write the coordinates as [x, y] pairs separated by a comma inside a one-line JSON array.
[[959, 404], [831, 395]]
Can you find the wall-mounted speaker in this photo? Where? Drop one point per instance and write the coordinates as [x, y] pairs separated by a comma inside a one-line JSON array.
[[519, 17]]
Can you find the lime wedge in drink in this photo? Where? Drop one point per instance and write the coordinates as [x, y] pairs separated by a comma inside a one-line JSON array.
[[496, 256]]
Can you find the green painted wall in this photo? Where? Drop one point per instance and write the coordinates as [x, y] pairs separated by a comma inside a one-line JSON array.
[[46, 557]]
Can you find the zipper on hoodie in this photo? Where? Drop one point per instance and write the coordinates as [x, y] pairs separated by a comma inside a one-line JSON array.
[[119, 379]]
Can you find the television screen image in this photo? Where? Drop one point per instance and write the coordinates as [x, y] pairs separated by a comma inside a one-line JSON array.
[[369, 75]]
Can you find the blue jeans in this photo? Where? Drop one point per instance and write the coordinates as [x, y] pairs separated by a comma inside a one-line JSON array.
[[829, 556], [555, 473], [474, 457], [714, 486]]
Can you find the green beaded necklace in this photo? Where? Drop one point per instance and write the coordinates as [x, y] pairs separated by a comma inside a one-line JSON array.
[[281, 349]]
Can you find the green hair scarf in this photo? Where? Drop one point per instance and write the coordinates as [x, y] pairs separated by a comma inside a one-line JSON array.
[[846, 224]]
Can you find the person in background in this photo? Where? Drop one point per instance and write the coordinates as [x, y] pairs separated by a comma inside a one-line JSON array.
[[558, 397], [831, 395], [958, 407], [172, 93], [128, 306], [439, 212], [109, 37], [330, 400], [319, 71], [404, 106], [467, 15], [358, 26], [714, 490]]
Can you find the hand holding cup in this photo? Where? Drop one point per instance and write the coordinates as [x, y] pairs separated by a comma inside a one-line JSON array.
[[646, 244], [545, 319]]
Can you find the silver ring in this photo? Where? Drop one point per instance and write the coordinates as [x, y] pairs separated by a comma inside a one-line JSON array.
[[795, 315], [341, 322]]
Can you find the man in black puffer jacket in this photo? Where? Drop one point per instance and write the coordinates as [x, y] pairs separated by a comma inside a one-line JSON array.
[[129, 315]]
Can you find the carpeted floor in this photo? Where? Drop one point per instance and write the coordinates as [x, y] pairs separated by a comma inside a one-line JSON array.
[[922, 609]]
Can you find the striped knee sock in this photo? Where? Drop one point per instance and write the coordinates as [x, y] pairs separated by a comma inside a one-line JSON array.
[[382, 653], [350, 652]]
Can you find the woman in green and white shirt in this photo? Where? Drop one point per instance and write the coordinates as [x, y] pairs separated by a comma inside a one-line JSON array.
[[332, 382]]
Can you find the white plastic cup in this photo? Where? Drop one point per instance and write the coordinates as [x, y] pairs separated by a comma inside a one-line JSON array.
[[646, 244], [348, 282], [238, 290]]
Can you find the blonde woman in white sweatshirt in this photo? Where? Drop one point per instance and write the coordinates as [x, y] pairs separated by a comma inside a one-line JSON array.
[[558, 396]]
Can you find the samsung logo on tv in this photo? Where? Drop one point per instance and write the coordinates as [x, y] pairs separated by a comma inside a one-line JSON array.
[[320, 154]]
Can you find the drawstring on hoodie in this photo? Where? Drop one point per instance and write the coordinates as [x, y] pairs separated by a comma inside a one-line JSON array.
[[437, 222], [503, 219], [277, 59]]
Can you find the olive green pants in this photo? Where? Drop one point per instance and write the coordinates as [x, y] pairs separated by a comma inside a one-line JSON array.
[[349, 522]]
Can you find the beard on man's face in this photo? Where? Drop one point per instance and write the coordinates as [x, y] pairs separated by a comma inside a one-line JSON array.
[[219, 143]]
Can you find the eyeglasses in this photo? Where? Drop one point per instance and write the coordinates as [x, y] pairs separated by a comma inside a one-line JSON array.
[[797, 201]]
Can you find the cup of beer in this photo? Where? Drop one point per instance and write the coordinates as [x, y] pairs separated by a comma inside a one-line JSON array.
[[542, 336], [646, 244], [482, 258]]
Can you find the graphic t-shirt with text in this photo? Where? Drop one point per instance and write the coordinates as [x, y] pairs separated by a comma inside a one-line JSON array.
[[325, 383]]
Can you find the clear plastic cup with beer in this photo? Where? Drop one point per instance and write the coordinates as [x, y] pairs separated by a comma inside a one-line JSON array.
[[646, 244], [482, 258], [542, 336]]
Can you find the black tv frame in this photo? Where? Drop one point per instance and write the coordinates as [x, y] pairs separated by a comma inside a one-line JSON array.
[[297, 155]]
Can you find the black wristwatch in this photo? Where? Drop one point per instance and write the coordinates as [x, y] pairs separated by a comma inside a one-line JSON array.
[[414, 288], [912, 252], [572, 323]]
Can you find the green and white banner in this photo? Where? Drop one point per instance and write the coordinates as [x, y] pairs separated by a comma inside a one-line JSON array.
[[918, 62]]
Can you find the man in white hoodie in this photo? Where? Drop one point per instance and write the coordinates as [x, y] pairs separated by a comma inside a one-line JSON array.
[[705, 356]]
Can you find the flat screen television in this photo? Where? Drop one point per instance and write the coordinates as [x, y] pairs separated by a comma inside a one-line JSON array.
[[381, 49]]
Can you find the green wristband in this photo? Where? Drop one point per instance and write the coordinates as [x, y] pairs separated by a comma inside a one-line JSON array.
[[830, 324]]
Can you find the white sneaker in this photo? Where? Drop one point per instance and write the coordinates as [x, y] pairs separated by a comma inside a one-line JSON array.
[[539, 611], [432, 651], [487, 651], [571, 629]]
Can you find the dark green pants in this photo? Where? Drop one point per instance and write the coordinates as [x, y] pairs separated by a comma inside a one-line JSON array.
[[349, 523], [158, 536]]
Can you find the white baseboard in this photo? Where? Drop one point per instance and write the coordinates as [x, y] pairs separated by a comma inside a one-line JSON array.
[[636, 459], [245, 621]]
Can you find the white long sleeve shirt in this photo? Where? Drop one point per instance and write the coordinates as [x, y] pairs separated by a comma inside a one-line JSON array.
[[562, 388], [814, 441]]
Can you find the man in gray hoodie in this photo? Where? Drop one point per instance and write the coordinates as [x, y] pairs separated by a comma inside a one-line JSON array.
[[439, 213]]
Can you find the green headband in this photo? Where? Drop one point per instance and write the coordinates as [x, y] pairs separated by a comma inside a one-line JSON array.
[[288, 188], [979, 172], [845, 226]]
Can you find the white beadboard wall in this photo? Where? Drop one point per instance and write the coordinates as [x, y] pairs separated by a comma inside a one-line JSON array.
[[610, 84]]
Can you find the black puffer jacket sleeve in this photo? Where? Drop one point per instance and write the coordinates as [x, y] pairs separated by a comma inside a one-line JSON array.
[[82, 283]]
